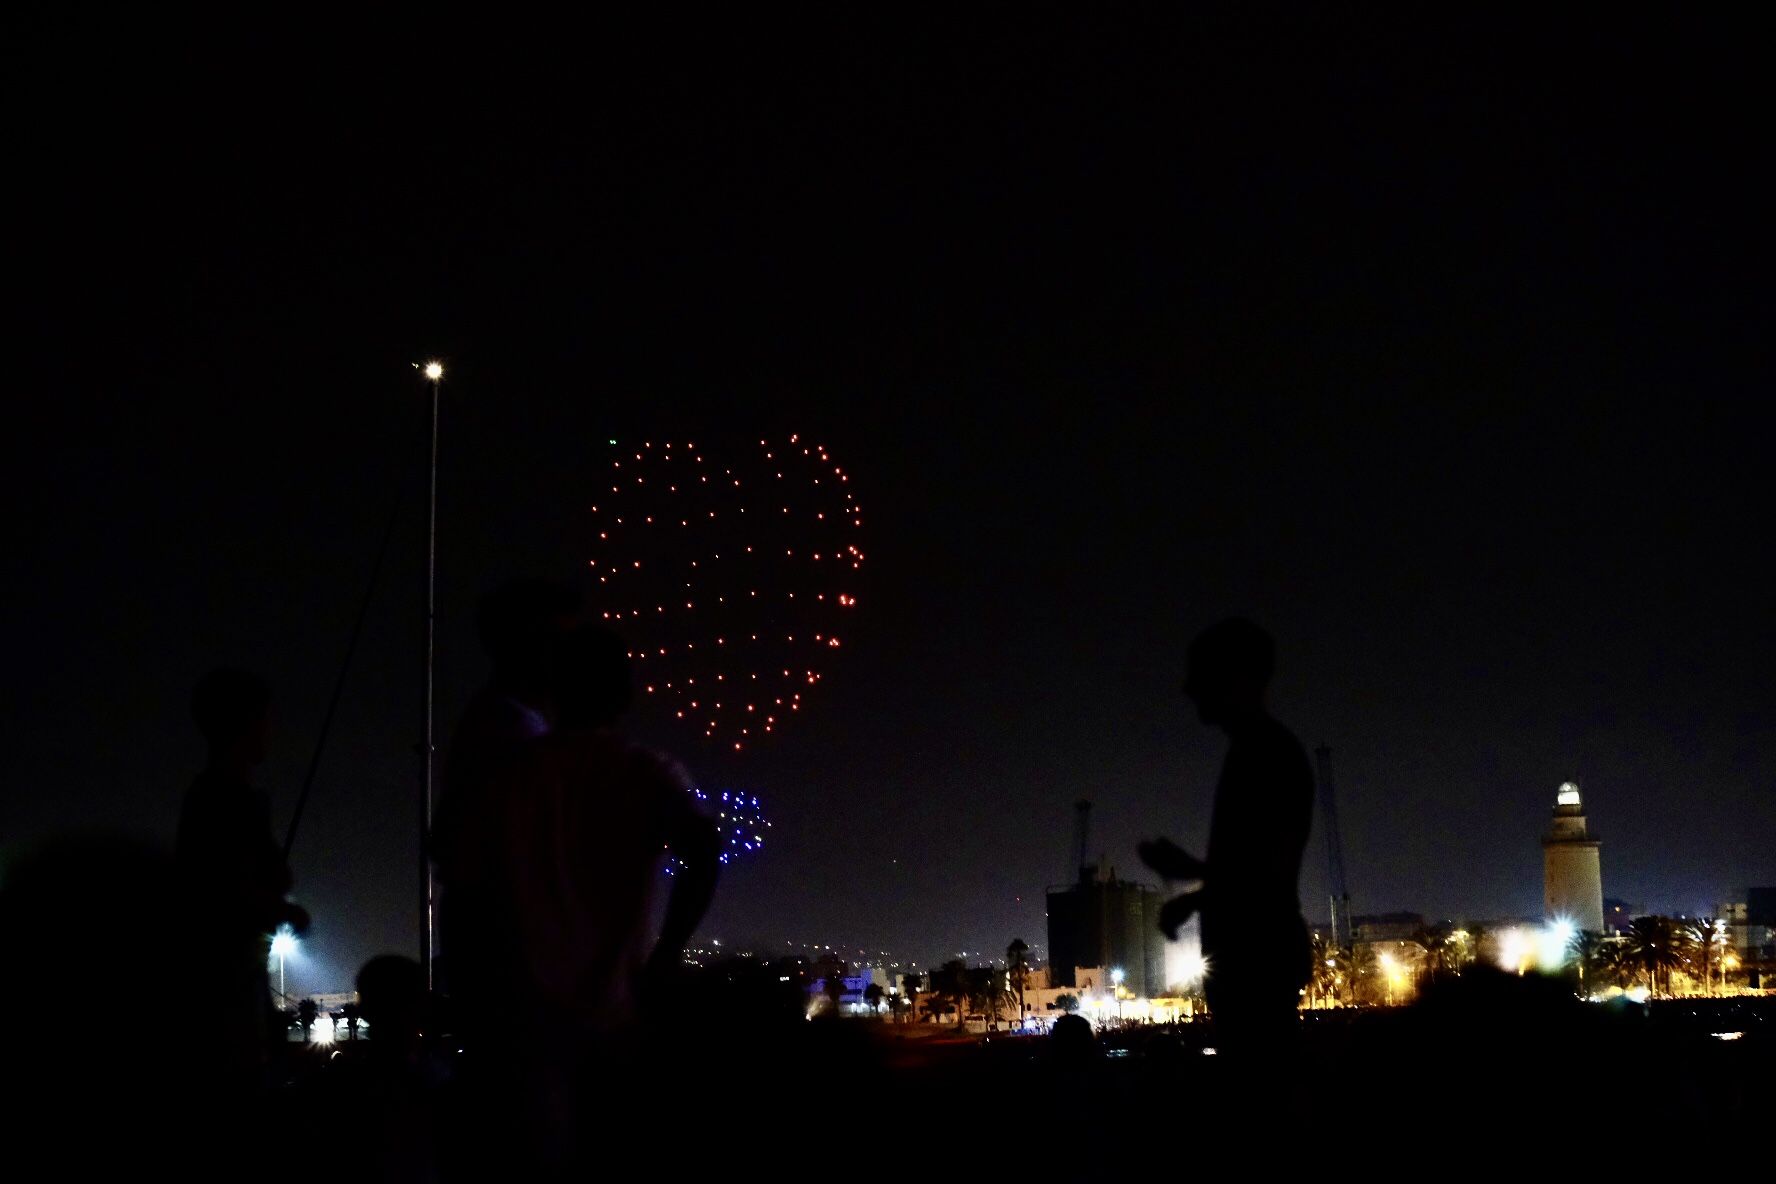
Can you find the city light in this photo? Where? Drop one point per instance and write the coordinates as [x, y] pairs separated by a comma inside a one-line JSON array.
[[1554, 944], [283, 943], [434, 371], [1514, 951]]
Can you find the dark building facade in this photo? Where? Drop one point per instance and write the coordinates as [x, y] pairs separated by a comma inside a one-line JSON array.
[[1108, 923]]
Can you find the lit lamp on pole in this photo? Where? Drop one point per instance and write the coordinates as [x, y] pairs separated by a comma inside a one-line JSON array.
[[434, 374], [283, 944]]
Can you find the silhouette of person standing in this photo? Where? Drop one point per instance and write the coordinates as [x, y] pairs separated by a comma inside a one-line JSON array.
[[582, 825], [523, 624], [575, 837], [232, 873], [1253, 937]]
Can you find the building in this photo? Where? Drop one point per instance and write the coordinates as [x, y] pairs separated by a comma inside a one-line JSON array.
[[1619, 914], [1373, 927], [1106, 922], [1751, 936], [854, 999], [1572, 869]]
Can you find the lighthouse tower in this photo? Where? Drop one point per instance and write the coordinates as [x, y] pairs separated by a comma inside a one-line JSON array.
[[1572, 870]]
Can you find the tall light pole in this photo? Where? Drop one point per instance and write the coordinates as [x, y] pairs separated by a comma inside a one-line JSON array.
[[434, 373], [283, 943]]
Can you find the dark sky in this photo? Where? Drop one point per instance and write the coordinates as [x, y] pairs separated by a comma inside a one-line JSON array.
[[1441, 351]]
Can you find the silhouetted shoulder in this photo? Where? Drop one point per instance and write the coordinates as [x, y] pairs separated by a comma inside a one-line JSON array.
[[1286, 751]]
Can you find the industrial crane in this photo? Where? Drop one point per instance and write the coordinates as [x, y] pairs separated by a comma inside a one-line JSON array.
[[1339, 894]]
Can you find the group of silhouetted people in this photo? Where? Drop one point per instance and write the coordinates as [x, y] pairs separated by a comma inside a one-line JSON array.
[[550, 833]]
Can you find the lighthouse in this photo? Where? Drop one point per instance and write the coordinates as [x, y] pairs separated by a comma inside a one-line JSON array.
[[1572, 870]]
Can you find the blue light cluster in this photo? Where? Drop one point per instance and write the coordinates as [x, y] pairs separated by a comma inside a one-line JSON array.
[[738, 820]]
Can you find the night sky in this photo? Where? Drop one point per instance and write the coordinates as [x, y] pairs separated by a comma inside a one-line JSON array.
[[1443, 352]]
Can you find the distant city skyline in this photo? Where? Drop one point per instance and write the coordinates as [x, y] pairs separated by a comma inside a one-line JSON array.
[[1448, 374]]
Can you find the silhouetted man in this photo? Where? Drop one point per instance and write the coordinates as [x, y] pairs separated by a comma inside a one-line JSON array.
[[232, 872], [523, 625], [1252, 933], [585, 819], [576, 835]]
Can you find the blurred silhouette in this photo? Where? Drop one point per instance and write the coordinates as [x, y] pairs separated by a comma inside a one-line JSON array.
[[1253, 937], [232, 875], [1072, 1045], [84, 1099], [391, 1001], [385, 1084], [523, 624], [572, 838]]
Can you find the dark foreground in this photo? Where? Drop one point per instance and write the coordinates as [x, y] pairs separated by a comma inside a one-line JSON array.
[[1480, 1060]]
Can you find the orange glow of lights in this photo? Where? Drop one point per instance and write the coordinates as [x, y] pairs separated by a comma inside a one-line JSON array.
[[676, 565]]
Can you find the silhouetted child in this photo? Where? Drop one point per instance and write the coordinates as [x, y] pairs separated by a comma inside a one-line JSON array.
[[1253, 937], [385, 1085], [232, 873]]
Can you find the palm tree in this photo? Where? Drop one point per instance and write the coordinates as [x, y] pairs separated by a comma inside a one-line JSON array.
[[1469, 951], [909, 987], [1365, 974], [985, 987], [306, 1011], [1067, 1003], [1323, 985], [1700, 938], [949, 983], [1433, 944], [1585, 949], [834, 985], [1653, 944], [1611, 961], [1017, 970]]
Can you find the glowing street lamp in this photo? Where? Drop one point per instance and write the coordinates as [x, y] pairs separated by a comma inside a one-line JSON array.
[[283, 944], [434, 374]]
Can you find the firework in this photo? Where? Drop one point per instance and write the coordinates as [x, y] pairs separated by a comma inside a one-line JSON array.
[[731, 576], [739, 822]]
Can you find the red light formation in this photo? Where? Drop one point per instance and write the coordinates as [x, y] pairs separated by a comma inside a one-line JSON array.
[[736, 572]]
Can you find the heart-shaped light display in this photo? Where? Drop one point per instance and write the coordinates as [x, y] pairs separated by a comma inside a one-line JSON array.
[[730, 573]]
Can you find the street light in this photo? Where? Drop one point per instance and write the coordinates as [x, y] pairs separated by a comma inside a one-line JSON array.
[[283, 944], [434, 374]]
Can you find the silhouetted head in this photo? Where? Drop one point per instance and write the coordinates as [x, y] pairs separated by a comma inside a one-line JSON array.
[[391, 996], [521, 623], [593, 686], [1230, 667], [232, 709], [1071, 1041]]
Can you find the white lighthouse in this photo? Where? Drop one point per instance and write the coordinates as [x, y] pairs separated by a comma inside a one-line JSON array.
[[1572, 868]]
